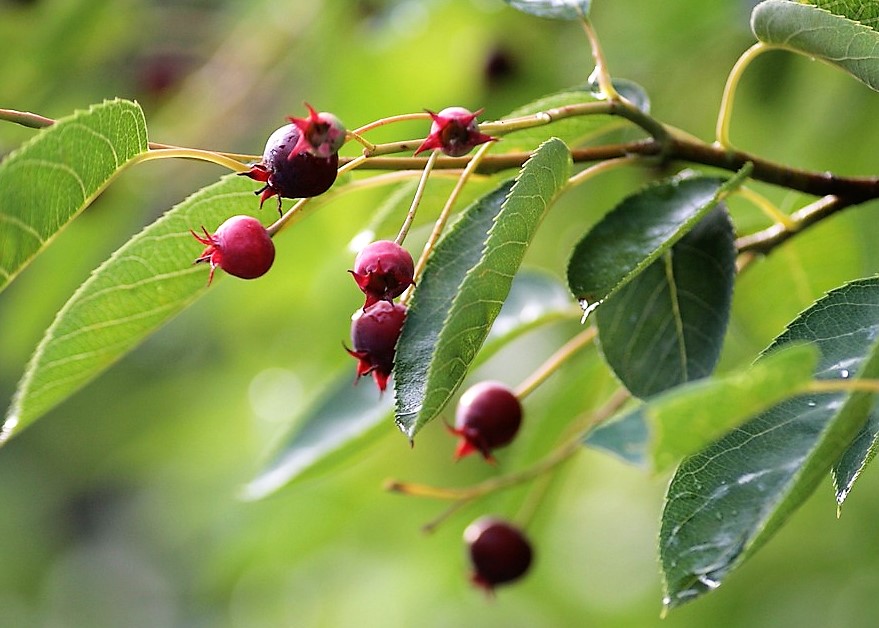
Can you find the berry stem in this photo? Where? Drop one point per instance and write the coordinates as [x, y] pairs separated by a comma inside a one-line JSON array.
[[191, 153], [596, 169], [446, 211], [555, 361], [767, 239], [768, 208], [729, 92], [288, 217], [416, 200]]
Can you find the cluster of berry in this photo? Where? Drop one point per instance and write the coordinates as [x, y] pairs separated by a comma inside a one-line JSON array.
[[301, 160]]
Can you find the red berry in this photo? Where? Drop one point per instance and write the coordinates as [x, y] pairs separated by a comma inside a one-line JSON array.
[[488, 417], [383, 270], [454, 131], [322, 133], [499, 552], [241, 246], [300, 158], [374, 334]]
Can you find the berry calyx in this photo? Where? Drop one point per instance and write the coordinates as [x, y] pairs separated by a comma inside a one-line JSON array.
[[241, 246], [292, 165], [322, 133], [499, 552], [383, 270], [454, 132], [488, 416], [374, 334]]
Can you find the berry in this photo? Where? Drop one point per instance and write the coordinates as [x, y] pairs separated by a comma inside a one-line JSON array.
[[300, 158], [241, 246], [499, 552], [383, 270], [454, 131], [374, 334], [322, 133], [488, 417]]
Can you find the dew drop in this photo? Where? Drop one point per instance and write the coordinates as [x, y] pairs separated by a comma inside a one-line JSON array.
[[844, 373], [587, 308], [811, 404]]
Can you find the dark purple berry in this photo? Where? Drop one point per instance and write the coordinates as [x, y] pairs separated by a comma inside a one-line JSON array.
[[488, 417], [499, 552], [241, 246], [292, 165], [374, 334], [454, 131], [383, 270]]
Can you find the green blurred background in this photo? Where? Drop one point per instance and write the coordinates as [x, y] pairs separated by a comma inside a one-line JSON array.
[[120, 507]]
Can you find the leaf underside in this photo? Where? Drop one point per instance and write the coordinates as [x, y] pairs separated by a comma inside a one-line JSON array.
[[142, 285], [553, 9], [58, 173], [726, 501], [816, 32]]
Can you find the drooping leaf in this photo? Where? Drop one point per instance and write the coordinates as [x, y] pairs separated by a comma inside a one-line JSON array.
[[465, 284], [855, 459], [58, 173], [143, 284], [553, 9], [816, 32], [728, 500], [683, 420], [348, 417], [638, 231], [345, 418], [573, 130], [666, 326]]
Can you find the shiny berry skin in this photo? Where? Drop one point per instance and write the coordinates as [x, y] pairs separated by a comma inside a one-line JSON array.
[[374, 334], [292, 166], [499, 552], [488, 417], [454, 132], [383, 270], [241, 246]]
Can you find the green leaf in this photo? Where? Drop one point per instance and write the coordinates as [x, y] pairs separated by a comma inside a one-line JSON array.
[[465, 284], [553, 9], [863, 11], [728, 500], [666, 327], [638, 231], [575, 129], [683, 420], [816, 32], [143, 284], [855, 459], [343, 421], [50, 179], [348, 416]]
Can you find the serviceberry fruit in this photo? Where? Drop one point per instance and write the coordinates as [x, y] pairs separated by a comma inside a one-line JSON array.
[[383, 270], [374, 334], [300, 158], [241, 246], [499, 552], [488, 417], [454, 131]]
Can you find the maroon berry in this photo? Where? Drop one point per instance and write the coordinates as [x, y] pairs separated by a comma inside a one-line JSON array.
[[292, 165], [499, 552], [241, 246], [383, 270], [374, 334], [454, 131], [488, 417]]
